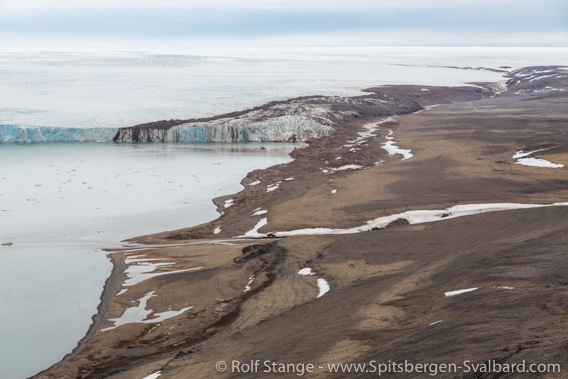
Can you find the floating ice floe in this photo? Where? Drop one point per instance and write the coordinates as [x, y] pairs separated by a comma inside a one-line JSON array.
[[247, 287], [154, 375], [306, 271], [254, 183], [217, 230], [415, 217], [139, 314], [457, 292], [524, 159], [323, 287], [260, 212]]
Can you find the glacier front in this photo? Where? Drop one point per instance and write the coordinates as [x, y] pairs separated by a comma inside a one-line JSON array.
[[29, 134]]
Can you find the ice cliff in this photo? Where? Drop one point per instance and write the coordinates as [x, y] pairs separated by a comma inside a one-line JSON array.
[[289, 121], [292, 121], [29, 134], [280, 129]]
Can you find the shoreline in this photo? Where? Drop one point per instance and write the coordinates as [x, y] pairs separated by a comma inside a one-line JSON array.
[[204, 233], [98, 318]]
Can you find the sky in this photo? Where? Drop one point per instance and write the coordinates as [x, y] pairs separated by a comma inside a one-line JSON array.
[[255, 23]]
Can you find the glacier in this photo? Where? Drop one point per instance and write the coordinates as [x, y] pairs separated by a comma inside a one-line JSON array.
[[291, 121], [280, 129], [31, 134]]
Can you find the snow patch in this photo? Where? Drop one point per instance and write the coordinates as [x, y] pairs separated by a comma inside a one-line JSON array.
[[139, 314], [323, 287], [217, 230], [247, 287], [535, 162], [457, 292], [347, 167], [272, 187], [306, 271], [524, 159], [142, 271], [392, 149], [254, 231], [254, 183], [154, 375], [260, 212], [419, 217]]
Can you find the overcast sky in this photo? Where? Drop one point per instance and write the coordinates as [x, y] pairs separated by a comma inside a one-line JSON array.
[[224, 23]]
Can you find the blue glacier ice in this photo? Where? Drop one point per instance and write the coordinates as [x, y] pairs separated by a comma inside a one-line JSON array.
[[29, 134], [280, 128]]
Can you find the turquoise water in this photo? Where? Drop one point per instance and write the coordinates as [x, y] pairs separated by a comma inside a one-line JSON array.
[[61, 203]]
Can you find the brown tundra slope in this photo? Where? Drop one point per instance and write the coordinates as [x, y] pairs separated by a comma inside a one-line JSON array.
[[387, 280]]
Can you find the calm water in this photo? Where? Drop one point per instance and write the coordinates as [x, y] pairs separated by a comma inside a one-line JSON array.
[[61, 203]]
